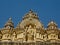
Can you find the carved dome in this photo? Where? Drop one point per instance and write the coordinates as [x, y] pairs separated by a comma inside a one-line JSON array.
[[30, 18], [52, 25]]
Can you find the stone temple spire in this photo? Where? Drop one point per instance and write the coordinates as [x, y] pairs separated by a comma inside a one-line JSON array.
[[9, 24], [31, 14]]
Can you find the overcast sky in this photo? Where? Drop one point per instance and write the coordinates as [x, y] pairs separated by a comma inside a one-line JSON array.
[[47, 10]]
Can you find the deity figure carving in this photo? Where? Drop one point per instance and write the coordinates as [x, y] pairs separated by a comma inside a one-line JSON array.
[[30, 33]]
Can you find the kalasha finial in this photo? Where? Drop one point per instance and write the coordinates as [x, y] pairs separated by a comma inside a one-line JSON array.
[[9, 23], [30, 11], [10, 19], [31, 14]]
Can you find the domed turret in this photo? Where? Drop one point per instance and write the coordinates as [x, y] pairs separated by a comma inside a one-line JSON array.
[[9, 24], [30, 18], [31, 14], [52, 25]]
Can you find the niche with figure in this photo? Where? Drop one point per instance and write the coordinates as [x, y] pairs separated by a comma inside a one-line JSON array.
[[30, 32]]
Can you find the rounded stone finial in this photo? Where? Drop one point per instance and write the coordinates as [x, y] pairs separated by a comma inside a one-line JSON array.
[[10, 18], [30, 11]]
